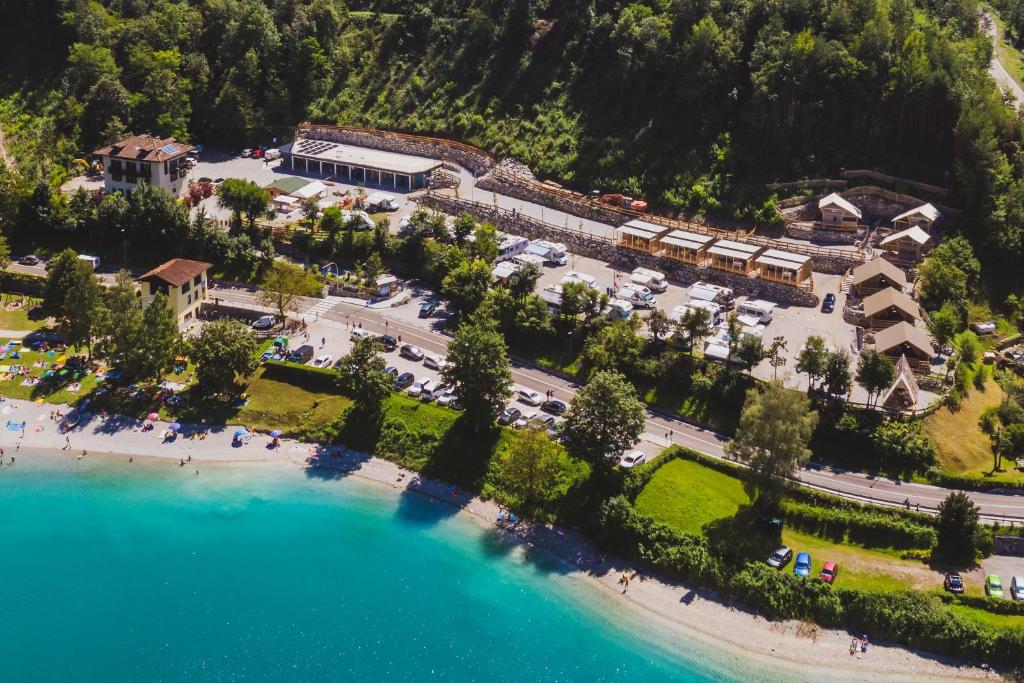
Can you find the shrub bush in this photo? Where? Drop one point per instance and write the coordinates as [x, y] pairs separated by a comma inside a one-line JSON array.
[[863, 526]]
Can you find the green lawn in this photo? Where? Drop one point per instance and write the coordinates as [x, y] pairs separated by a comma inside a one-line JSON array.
[[696, 499], [686, 495], [1008, 55], [276, 404], [52, 391], [23, 317]]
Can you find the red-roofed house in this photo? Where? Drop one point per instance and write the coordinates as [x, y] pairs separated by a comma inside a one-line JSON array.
[[183, 282], [144, 158]]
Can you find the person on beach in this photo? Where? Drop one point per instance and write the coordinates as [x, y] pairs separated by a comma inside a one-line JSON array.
[[131, 460]]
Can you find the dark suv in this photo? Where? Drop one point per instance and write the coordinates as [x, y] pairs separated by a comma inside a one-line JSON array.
[[953, 583], [388, 342], [303, 354]]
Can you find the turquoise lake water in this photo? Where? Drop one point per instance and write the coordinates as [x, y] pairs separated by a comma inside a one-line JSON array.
[[262, 573]]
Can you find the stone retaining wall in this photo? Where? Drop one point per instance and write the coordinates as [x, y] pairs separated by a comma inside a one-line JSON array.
[[605, 250], [807, 231], [476, 160], [531, 191]]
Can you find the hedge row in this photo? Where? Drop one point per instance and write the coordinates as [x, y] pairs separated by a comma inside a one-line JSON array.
[[862, 526], [303, 376], [970, 483], [1013, 608], [913, 619]]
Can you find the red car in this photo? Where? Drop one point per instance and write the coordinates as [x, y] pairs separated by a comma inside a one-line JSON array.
[[257, 153], [829, 571]]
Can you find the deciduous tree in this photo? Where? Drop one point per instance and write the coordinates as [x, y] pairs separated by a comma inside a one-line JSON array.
[[478, 370], [533, 471], [958, 529], [875, 372], [362, 377], [284, 285], [811, 360], [223, 351], [605, 418]]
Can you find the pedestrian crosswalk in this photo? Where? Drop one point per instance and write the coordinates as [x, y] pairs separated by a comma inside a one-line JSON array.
[[323, 305]]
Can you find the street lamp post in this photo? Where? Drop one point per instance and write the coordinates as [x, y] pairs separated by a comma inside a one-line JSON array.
[[124, 247]]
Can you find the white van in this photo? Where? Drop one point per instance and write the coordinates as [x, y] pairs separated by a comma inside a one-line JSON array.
[[619, 310], [756, 308], [583, 278], [551, 252], [272, 154], [512, 245], [638, 295], [649, 278], [93, 261], [714, 312], [704, 291]]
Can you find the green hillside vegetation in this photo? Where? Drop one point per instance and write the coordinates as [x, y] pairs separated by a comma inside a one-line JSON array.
[[691, 105]]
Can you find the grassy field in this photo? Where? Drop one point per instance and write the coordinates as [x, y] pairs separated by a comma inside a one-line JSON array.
[[22, 318], [52, 391], [691, 497], [709, 496], [275, 404], [960, 445]]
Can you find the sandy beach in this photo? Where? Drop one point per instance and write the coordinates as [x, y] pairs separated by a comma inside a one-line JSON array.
[[793, 650]]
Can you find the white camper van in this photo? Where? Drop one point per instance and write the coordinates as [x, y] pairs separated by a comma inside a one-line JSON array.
[[714, 293], [552, 253], [93, 261], [638, 295], [512, 245], [756, 308], [618, 309], [583, 278], [649, 278], [713, 310]]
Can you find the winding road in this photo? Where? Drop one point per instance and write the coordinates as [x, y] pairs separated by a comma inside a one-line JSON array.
[[996, 69], [661, 430]]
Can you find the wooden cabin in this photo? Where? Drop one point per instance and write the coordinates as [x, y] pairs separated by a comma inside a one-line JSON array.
[[904, 339], [838, 213], [902, 394], [907, 246], [734, 257], [686, 247], [640, 235], [875, 275], [783, 266], [888, 306], [923, 217]]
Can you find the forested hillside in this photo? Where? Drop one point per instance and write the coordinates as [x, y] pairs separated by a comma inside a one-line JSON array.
[[692, 104]]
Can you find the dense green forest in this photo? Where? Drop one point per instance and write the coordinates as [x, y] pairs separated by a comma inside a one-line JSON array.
[[694, 104]]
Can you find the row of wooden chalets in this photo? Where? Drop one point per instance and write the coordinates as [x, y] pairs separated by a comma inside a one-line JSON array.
[[708, 251]]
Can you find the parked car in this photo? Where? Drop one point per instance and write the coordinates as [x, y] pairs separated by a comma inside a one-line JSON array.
[[427, 392], [545, 422], [302, 354], [411, 352], [525, 418], [554, 406], [829, 570], [416, 390], [953, 583], [993, 586], [1017, 588], [391, 371], [264, 322], [388, 342], [246, 153], [530, 397], [359, 334], [509, 416], [632, 459], [257, 153], [323, 361], [780, 558], [446, 397], [829, 304], [802, 566], [404, 380], [427, 309], [30, 260], [435, 361]]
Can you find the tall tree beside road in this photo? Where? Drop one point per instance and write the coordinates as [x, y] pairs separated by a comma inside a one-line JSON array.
[[222, 351], [142, 339], [362, 377], [695, 324], [81, 307], [775, 354], [60, 277], [658, 324], [958, 529], [605, 418], [749, 352], [485, 243], [533, 470], [522, 282], [811, 360], [875, 373], [243, 198], [836, 377], [478, 370], [283, 285], [773, 435], [466, 286]]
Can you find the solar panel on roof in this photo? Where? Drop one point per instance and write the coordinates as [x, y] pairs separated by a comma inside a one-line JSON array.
[[169, 149]]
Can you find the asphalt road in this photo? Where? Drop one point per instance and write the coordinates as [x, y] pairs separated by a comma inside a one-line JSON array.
[[660, 430], [996, 68]]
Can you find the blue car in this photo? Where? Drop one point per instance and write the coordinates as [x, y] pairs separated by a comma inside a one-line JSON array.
[[802, 566]]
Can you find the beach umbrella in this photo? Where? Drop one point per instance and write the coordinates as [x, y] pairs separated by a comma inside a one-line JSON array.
[[241, 432], [174, 426], [152, 416], [276, 433]]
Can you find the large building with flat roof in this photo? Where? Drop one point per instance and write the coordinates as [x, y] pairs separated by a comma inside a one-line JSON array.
[[348, 163]]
